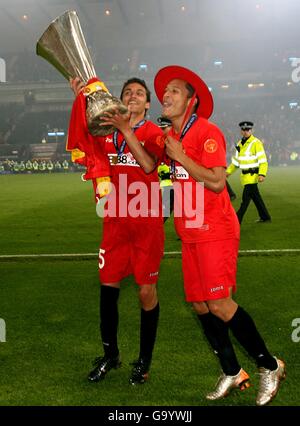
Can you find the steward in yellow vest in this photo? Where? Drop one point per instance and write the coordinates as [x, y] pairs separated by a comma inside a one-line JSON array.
[[164, 174], [167, 190], [251, 158]]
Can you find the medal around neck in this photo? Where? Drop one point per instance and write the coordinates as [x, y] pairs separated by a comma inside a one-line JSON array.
[[63, 45]]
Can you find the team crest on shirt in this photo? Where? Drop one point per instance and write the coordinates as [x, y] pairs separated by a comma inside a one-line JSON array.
[[160, 141], [210, 146]]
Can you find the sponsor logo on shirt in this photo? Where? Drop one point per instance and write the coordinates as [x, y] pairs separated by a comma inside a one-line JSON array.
[[123, 160], [108, 139], [210, 146], [181, 173]]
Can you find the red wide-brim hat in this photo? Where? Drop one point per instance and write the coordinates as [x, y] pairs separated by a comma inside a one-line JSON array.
[[171, 72]]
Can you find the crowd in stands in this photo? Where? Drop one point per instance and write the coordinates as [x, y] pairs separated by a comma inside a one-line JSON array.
[[275, 116], [38, 166], [276, 123], [214, 60], [19, 126]]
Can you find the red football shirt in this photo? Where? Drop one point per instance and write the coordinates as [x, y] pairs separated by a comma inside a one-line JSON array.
[[205, 144], [135, 190]]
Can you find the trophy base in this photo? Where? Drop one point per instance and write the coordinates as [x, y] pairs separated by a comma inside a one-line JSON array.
[[98, 104]]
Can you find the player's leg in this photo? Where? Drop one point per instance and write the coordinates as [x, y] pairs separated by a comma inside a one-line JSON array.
[[243, 327], [109, 319], [201, 281], [271, 369], [114, 246], [147, 252], [148, 329]]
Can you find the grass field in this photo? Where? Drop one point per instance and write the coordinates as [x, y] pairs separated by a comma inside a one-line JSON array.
[[50, 306]]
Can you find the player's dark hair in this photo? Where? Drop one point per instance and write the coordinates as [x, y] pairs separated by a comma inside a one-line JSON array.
[[138, 81]]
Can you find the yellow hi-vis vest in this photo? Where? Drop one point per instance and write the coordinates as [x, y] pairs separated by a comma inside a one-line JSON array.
[[251, 159], [164, 175]]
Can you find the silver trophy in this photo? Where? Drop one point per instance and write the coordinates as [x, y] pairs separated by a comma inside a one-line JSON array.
[[64, 46]]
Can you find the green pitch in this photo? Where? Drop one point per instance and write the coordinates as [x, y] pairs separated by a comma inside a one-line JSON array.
[[50, 306]]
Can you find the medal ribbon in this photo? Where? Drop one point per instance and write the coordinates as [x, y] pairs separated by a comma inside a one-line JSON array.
[[186, 128], [120, 149]]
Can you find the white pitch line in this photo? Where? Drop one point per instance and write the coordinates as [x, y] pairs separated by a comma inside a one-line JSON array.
[[36, 256], [271, 251], [168, 253]]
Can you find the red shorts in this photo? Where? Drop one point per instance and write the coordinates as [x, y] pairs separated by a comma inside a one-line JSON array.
[[131, 248], [209, 269]]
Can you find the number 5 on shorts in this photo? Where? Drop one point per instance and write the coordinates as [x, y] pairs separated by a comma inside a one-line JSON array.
[[101, 258]]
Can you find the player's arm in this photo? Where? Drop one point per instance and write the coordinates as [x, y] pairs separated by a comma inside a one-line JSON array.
[[76, 85], [121, 122], [87, 154], [213, 178]]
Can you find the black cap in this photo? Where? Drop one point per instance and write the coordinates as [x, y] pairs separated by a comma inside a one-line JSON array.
[[246, 125], [164, 122]]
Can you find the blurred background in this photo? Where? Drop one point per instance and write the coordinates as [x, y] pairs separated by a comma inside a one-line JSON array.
[[247, 51]]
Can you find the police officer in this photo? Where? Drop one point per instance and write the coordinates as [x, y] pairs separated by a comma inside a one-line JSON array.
[[251, 158]]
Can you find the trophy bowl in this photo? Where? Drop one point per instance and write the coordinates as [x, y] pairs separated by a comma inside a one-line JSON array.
[[99, 103]]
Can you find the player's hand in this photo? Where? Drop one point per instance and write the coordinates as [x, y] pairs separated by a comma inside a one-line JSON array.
[[76, 85], [261, 178], [174, 149], [116, 119]]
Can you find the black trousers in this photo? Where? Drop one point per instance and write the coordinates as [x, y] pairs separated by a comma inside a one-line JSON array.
[[251, 192], [231, 192], [167, 201]]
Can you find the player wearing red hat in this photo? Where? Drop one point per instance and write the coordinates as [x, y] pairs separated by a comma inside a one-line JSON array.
[[197, 150]]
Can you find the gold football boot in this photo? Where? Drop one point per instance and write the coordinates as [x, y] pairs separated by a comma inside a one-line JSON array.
[[226, 383], [269, 382]]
